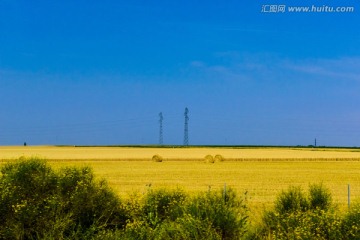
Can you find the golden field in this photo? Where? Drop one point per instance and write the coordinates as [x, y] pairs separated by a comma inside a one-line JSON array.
[[262, 172], [178, 153]]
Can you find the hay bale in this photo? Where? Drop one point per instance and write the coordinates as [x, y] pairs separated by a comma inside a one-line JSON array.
[[157, 158], [219, 158], [209, 159]]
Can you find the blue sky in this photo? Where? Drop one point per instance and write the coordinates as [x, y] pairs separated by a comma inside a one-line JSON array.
[[99, 72]]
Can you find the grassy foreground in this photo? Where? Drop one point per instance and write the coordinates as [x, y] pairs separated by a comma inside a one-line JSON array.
[[263, 172], [38, 202]]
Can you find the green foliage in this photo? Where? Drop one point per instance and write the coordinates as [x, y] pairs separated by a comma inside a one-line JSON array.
[[37, 202], [296, 216], [90, 202], [28, 200], [294, 199], [163, 204], [186, 227], [137, 229], [226, 214], [319, 197], [291, 200], [351, 223], [171, 214], [316, 224]]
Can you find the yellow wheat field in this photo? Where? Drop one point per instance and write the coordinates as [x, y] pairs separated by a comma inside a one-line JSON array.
[[196, 153], [262, 172]]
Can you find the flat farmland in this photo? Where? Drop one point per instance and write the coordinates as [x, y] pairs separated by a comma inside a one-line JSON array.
[[262, 172], [179, 153]]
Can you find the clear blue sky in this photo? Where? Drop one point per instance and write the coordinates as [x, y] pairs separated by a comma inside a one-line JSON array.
[[99, 72]]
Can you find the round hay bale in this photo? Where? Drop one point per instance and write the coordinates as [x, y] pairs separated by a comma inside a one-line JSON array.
[[219, 158], [157, 158], [209, 159]]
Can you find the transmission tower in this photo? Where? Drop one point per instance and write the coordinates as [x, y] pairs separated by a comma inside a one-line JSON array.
[[161, 118], [186, 127]]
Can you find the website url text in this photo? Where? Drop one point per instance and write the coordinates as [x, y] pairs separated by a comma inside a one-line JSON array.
[[306, 9]]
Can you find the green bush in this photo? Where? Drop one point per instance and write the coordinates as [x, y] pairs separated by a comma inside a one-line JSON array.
[[137, 229], [351, 223], [226, 214], [186, 227], [90, 202], [294, 199], [296, 216], [291, 200], [319, 197], [28, 199], [162, 204], [170, 214], [37, 202], [316, 224]]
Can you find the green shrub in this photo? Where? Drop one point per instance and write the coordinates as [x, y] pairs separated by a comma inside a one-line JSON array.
[[197, 229], [157, 158], [226, 214], [316, 224], [319, 197], [162, 204], [351, 223], [291, 200], [37, 202], [297, 217], [28, 199], [90, 202], [137, 229], [186, 227]]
